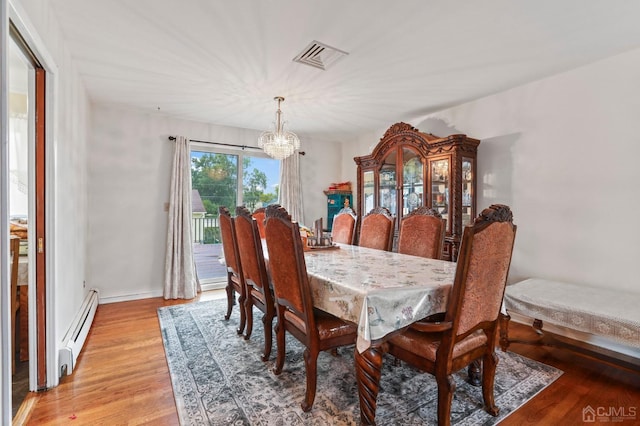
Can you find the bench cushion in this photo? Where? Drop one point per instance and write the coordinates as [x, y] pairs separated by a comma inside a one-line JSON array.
[[604, 312]]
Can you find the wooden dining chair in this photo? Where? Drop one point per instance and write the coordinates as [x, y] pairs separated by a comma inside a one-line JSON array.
[[258, 214], [235, 279], [376, 229], [14, 251], [468, 330], [422, 233], [344, 226], [315, 329], [255, 276]]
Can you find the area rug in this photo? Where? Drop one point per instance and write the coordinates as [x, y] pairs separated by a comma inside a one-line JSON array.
[[218, 378]]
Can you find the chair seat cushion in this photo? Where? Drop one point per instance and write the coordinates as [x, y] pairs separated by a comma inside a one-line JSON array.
[[426, 344], [330, 326]]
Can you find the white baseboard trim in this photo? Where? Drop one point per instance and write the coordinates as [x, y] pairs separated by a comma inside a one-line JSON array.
[[213, 285], [216, 285], [129, 297]]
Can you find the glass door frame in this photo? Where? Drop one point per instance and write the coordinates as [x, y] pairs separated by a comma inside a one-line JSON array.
[[240, 153]]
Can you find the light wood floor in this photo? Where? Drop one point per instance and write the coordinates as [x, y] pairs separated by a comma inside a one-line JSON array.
[[122, 378]]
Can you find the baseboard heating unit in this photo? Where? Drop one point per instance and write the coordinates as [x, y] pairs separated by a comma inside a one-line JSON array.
[[76, 335]]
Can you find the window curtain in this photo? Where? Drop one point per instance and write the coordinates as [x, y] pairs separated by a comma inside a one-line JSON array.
[[290, 187], [181, 281]]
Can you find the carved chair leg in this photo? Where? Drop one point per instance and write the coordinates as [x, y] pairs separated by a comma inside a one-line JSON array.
[[280, 343], [243, 314], [230, 300], [267, 321], [489, 363], [504, 331], [248, 307], [311, 364], [446, 388]]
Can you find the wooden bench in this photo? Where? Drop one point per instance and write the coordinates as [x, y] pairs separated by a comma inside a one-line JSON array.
[[598, 322]]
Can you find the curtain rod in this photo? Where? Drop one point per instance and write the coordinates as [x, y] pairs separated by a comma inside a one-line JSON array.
[[173, 138]]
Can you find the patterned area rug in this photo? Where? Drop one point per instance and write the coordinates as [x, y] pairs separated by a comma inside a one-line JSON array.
[[219, 379]]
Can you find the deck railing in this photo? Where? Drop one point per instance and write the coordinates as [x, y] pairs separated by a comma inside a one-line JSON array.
[[206, 230]]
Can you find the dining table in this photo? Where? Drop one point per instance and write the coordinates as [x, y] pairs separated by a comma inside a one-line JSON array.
[[382, 292]]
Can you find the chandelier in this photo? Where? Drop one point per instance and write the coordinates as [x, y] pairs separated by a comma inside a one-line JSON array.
[[279, 144]]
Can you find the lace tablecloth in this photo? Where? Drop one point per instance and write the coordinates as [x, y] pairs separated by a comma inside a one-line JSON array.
[[605, 312], [378, 290]]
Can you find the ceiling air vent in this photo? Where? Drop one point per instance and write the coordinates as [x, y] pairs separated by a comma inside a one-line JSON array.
[[319, 55]]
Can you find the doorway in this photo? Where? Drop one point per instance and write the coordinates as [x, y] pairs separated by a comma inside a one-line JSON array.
[[26, 213]]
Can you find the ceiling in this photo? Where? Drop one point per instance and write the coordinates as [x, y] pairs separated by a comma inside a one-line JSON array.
[[223, 62]]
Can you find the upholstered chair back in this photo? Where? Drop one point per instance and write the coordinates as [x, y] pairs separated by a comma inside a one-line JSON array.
[[344, 227], [288, 268], [483, 266], [250, 249], [258, 214], [422, 233], [229, 246], [376, 229]]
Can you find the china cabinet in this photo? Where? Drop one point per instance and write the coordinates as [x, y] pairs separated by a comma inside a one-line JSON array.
[[409, 168]]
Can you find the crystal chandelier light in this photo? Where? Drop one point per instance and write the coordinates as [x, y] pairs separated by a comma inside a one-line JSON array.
[[280, 143]]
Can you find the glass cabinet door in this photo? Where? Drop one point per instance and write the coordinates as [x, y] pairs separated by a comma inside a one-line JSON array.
[[388, 196], [409, 169], [440, 186], [467, 192], [368, 191], [412, 181]]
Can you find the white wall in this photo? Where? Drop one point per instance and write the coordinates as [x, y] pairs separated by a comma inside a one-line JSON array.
[[66, 151], [129, 160], [319, 168], [563, 152]]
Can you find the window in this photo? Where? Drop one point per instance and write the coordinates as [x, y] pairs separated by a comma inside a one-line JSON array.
[[225, 178]]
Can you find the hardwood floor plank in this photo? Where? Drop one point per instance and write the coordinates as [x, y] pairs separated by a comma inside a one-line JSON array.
[[585, 382], [122, 377]]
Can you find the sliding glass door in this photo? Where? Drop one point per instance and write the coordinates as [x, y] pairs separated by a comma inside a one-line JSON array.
[[225, 178]]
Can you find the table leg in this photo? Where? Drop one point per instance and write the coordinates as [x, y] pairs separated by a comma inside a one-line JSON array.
[[368, 371]]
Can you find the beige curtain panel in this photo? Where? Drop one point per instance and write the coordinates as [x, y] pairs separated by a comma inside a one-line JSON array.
[[181, 280], [291, 188]]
